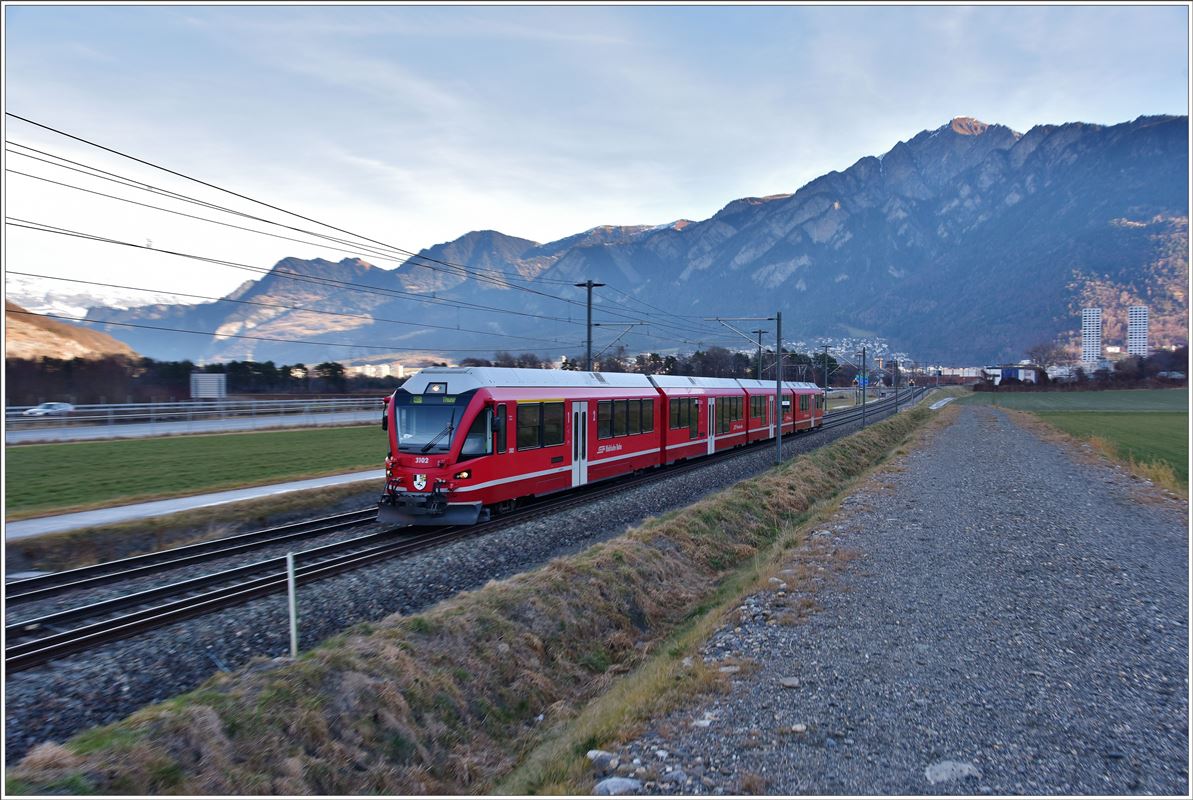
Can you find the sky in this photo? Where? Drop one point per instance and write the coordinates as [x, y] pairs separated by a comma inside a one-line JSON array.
[[414, 125]]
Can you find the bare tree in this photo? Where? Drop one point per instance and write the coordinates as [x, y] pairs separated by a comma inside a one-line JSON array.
[[1046, 354]]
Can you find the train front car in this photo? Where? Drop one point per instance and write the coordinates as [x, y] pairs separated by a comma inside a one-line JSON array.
[[441, 431]]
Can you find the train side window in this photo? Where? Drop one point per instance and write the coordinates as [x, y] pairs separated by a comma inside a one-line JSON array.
[[634, 418], [529, 423], [647, 416], [694, 417], [604, 419], [674, 415], [552, 424], [619, 414], [803, 402], [479, 440], [500, 423]]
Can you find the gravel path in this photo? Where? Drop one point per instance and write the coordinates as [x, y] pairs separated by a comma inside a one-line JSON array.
[[53, 701], [996, 619]]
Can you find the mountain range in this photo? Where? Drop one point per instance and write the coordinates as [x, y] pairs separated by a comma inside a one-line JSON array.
[[963, 244]]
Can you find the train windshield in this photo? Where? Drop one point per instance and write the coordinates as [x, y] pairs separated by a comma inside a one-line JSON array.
[[431, 427], [426, 429]]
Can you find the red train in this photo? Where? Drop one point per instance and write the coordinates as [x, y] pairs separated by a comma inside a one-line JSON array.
[[466, 441]]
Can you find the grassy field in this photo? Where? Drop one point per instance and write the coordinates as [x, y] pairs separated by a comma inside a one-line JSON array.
[[1110, 400], [1158, 436], [1145, 428], [58, 477]]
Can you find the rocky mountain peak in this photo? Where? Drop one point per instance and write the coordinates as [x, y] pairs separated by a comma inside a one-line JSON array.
[[968, 126], [33, 336]]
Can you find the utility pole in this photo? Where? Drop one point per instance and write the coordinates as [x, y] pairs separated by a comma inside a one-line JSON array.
[[759, 332], [779, 388], [588, 284], [826, 367], [778, 319], [896, 386], [864, 382]]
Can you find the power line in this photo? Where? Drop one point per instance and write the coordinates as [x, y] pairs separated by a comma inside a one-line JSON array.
[[680, 317], [256, 201], [371, 251], [402, 257], [455, 269], [42, 227], [369, 317], [387, 348], [27, 224], [467, 270]]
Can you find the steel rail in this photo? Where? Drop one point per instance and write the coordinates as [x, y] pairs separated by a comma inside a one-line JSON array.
[[43, 586], [92, 610]]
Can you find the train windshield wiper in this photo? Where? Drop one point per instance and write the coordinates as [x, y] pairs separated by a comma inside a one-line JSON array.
[[451, 425]]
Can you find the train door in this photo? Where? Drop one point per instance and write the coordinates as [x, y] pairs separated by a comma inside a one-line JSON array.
[[579, 443], [712, 430]]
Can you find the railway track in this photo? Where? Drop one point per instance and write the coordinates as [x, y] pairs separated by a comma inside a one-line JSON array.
[[45, 586], [35, 641]]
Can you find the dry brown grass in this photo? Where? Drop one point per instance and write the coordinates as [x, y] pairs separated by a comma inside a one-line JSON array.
[[752, 783], [450, 700]]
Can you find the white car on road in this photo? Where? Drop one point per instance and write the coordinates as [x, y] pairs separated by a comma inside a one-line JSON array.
[[49, 410]]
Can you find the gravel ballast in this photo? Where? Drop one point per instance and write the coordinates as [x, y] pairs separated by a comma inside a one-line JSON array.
[[56, 700], [993, 617]]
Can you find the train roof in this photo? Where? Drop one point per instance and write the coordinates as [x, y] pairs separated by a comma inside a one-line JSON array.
[[463, 379], [751, 383], [688, 381]]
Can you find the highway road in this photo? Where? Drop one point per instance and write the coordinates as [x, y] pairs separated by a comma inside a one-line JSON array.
[[143, 429]]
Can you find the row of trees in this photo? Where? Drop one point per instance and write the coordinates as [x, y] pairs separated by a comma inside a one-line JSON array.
[[715, 362], [118, 379], [1161, 368]]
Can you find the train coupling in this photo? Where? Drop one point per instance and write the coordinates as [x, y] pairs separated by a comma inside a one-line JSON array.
[[432, 508]]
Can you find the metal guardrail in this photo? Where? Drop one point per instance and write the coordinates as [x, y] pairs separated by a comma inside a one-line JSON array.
[[184, 411]]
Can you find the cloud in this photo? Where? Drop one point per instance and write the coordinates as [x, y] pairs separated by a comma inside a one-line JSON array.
[[416, 124]]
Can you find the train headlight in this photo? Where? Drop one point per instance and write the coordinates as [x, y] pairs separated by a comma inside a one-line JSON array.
[[462, 474]]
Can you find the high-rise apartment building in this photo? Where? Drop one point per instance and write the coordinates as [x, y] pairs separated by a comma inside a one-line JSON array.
[[1091, 335], [1137, 331]]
